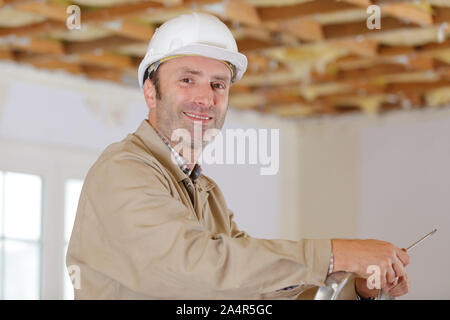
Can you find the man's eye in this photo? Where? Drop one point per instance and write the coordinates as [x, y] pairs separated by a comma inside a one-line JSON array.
[[218, 86], [186, 80]]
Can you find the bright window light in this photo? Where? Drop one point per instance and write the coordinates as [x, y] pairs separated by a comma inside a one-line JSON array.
[[73, 191], [22, 206]]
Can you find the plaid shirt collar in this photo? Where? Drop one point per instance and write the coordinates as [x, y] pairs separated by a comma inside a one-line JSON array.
[[182, 163]]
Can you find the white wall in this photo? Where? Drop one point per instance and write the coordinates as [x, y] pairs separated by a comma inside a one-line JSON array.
[[59, 110], [405, 193], [384, 177]]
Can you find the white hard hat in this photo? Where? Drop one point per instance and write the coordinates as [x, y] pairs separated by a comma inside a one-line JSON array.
[[193, 34]]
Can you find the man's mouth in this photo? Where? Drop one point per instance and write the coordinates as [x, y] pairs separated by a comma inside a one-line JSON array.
[[197, 117]]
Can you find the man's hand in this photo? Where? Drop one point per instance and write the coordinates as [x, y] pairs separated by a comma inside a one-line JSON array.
[[357, 255], [396, 289], [401, 288]]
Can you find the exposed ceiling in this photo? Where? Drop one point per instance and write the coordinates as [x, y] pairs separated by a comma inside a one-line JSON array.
[[306, 57]]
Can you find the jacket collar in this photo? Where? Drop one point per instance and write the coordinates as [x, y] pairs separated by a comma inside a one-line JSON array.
[[162, 153]]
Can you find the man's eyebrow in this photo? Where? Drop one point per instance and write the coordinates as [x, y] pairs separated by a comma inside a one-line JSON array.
[[224, 78], [199, 73]]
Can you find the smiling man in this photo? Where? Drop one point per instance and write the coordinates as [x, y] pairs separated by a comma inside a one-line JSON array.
[[150, 225], [195, 95]]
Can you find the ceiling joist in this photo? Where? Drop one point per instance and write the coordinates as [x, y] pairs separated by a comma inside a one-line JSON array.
[[305, 57]]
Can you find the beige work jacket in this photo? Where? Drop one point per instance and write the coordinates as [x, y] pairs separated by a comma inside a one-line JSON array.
[[138, 236]]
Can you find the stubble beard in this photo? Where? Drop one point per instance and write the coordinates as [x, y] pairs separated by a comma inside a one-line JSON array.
[[168, 122]]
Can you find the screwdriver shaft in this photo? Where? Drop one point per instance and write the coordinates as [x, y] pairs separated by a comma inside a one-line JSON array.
[[420, 240]]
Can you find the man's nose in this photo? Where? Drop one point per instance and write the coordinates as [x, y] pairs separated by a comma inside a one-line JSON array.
[[204, 95]]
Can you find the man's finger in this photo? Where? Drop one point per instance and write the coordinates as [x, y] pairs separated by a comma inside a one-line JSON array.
[[383, 281], [398, 268], [390, 276], [398, 292], [403, 255], [401, 288]]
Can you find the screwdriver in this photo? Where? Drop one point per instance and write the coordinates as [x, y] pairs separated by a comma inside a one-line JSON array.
[[386, 296], [419, 241]]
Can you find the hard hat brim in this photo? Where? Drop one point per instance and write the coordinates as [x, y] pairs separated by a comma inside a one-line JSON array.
[[237, 59]]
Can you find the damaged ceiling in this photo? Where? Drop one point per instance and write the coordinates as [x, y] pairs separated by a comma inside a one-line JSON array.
[[306, 57]]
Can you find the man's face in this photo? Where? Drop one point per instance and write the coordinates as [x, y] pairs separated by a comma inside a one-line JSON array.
[[190, 87]]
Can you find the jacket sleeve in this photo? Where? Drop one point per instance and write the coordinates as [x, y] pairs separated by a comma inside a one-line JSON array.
[[347, 293], [131, 229]]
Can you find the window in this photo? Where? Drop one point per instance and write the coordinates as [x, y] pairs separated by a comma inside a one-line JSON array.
[[20, 235], [72, 195], [39, 191]]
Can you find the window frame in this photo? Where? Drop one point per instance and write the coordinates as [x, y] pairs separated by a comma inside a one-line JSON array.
[[55, 165], [4, 238]]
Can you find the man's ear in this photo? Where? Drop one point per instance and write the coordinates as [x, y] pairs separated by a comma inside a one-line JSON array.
[[150, 93]]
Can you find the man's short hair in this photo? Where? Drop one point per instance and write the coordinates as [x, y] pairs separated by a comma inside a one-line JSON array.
[[154, 78]]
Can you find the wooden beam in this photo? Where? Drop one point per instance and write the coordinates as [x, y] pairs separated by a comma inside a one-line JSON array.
[[360, 3], [431, 15], [106, 43], [130, 29], [395, 51], [303, 28], [302, 9], [369, 104], [250, 32], [441, 14], [419, 57], [34, 29], [352, 29], [438, 97], [421, 62], [365, 48], [365, 78], [95, 72], [54, 65], [246, 100], [120, 11], [54, 11], [14, 2], [38, 45], [125, 27], [238, 88], [241, 11], [415, 87], [313, 91], [6, 54], [269, 96], [257, 63], [105, 60], [275, 78], [249, 44], [292, 110], [434, 46], [408, 12], [373, 71]]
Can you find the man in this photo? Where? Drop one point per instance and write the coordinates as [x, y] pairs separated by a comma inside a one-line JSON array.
[[150, 225]]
